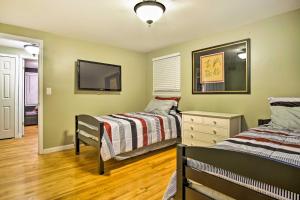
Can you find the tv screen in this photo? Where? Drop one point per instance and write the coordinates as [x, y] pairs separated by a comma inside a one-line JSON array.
[[98, 76]]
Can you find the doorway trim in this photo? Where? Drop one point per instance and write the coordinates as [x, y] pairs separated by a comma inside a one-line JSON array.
[[40, 105]]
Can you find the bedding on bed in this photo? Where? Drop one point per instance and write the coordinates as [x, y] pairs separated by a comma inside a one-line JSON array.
[[130, 131], [277, 144]]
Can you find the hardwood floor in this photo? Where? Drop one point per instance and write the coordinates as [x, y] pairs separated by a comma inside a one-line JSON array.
[[26, 175]]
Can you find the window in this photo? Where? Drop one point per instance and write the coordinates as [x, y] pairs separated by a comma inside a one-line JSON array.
[[166, 75]]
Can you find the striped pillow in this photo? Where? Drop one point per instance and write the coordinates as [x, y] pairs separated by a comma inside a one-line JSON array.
[[285, 113], [176, 100], [159, 107], [168, 98]]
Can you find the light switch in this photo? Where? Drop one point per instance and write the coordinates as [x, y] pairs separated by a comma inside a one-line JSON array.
[[49, 91]]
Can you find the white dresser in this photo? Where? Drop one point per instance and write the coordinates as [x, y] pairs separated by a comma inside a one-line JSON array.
[[208, 128]]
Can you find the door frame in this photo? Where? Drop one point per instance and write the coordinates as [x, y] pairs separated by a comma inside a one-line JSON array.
[[40, 75]]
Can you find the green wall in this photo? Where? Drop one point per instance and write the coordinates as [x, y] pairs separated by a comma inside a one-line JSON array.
[[275, 71], [60, 54], [275, 68]]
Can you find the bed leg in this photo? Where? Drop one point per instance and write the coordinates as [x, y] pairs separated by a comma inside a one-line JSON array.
[[77, 145], [180, 194], [100, 161], [77, 141], [100, 165]]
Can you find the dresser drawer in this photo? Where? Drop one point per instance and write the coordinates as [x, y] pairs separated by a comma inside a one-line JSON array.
[[216, 122], [202, 136], [198, 143], [204, 139], [192, 119], [213, 130], [198, 129], [187, 126]]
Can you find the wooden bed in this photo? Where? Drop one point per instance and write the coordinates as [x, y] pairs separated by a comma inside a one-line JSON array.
[[270, 172]]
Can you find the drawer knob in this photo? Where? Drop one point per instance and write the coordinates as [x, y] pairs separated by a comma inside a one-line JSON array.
[[215, 132], [192, 119], [214, 141], [192, 128], [214, 122], [192, 136]]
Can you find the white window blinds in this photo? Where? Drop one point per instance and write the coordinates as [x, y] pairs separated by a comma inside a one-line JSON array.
[[166, 75]]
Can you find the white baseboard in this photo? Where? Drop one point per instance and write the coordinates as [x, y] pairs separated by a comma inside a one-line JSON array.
[[58, 148]]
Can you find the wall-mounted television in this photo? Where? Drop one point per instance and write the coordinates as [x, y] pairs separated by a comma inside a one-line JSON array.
[[98, 76]]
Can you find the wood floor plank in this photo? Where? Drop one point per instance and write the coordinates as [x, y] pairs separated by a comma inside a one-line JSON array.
[[62, 175]]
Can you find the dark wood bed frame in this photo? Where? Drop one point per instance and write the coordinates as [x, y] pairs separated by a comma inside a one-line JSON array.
[[98, 132], [261, 169]]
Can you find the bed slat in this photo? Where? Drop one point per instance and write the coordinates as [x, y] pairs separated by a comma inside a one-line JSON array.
[[88, 141], [89, 120], [88, 130]]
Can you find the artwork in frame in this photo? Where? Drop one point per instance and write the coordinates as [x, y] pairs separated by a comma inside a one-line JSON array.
[[212, 68], [222, 69]]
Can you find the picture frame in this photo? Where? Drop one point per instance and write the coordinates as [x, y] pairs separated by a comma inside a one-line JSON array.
[[212, 70], [222, 69]]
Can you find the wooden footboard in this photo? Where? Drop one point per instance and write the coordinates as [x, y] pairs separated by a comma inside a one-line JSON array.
[[87, 122], [261, 169]]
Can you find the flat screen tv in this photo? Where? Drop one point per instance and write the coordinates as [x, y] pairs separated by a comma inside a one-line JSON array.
[[98, 76]]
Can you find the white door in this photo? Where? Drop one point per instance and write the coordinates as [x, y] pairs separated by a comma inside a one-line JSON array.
[[31, 89], [7, 96]]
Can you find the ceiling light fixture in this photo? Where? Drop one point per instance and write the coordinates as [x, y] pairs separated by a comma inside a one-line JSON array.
[[149, 11], [32, 49], [242, 54]]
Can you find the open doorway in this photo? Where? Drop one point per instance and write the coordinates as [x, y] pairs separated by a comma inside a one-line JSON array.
[[21, 88], [30, 91]]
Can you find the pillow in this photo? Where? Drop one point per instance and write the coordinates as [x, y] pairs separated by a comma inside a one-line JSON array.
[[285, 113], [177, 99], [174, 99], [159, 107]]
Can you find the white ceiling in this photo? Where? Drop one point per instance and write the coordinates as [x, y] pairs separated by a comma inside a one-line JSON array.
[[114, 22]]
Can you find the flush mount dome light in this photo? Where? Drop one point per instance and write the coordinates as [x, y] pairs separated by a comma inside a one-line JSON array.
[[242, 54], [149, 11], [32, 49]]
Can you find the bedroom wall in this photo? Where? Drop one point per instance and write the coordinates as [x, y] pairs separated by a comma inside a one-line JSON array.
[[60, 54], [275, 69]]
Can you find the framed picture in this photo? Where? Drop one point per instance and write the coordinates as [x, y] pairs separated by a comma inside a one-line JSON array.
[[222, 69], [212, 68]]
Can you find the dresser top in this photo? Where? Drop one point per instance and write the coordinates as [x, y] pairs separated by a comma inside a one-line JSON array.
[[211, 114]]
